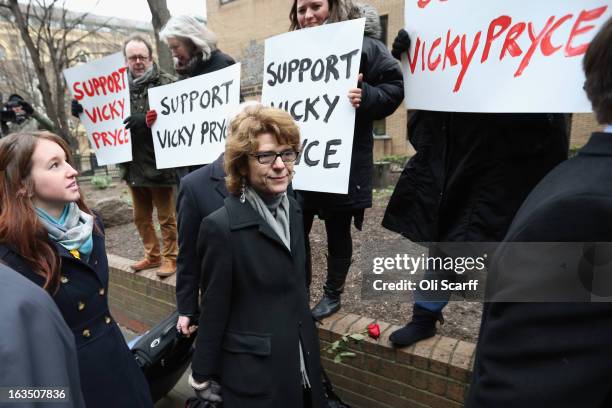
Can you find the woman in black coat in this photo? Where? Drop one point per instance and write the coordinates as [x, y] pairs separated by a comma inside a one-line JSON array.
[[260, 346], [48, 234], [469, 176], [380, 91]]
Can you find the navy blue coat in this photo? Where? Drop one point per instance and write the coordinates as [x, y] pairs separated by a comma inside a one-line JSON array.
[[200, 193], [109, 374]]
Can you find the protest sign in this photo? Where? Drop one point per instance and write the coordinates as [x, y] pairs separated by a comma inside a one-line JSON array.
[[499, 56], [308, 73], [102, 88], [192, 116]]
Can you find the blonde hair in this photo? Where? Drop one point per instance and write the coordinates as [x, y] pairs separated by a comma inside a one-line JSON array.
[[245, 127]]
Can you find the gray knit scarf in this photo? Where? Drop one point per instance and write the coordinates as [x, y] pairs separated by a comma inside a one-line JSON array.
[[279, 222], [137, 83]]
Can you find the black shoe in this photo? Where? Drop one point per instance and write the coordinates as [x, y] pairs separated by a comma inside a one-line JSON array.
[[327, 306], [422, 326]]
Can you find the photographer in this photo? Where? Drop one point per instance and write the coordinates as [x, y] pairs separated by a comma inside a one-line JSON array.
[[19, 116]]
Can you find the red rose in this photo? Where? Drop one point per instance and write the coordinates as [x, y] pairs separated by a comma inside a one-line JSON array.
[[374, 331]]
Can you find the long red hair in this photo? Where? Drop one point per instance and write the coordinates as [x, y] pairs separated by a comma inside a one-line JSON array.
[[20, 227]]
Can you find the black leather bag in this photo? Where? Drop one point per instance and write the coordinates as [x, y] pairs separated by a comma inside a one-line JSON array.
[[194, 402], [163, 355]]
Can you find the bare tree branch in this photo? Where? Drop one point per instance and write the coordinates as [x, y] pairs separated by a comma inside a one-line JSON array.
[[159, 17]]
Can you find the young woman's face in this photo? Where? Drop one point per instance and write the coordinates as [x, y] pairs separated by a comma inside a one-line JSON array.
[[312, 13], [273, 178], [54, 178]]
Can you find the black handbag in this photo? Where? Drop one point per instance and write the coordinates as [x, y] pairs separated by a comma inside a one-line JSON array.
[[194, 402], [163, 354]]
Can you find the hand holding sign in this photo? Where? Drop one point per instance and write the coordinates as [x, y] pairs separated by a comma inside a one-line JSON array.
[[355, 93]]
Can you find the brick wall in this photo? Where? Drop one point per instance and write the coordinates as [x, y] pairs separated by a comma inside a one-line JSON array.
[[583, 124], [433, 373]]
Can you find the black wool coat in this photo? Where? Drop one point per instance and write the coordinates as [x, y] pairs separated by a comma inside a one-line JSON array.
[[255, 310], [382, 92], [471, 173], [551, 354], [217, 60], [109, 374], [201, 193]]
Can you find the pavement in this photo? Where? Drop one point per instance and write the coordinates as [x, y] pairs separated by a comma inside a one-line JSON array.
[[181, 391]]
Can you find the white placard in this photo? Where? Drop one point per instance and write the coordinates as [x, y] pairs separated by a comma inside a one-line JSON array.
[[499, 56], [308, 73], [192, 116], [102, 88]]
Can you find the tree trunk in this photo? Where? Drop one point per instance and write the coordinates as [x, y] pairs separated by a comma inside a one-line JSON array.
[[160, 16]]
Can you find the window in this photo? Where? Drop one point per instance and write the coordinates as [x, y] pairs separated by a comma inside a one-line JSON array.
[[384, 24]]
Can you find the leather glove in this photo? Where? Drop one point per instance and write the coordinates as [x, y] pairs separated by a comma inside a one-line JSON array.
[[135, 121], [76, 108], [401, 44], [26, 107], [207, 391], [151, 117]]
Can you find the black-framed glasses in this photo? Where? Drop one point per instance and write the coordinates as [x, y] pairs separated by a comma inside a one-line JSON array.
[[287, 156], [135, 58]]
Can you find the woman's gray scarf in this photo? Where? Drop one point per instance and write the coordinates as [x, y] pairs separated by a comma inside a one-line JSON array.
[[279, 222], [76, 231], [141, 81]]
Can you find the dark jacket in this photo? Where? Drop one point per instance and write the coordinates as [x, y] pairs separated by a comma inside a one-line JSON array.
[[26, 361], [109, 374], [255, 310], [216, 61], [471, 172], [382, 92], [142, 170], [552, 354], [200, 193]]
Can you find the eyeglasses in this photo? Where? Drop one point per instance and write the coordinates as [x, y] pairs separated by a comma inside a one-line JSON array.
[[135, 58], [286, 156]]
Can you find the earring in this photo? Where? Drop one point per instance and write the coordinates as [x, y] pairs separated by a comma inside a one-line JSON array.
[[242, 190]]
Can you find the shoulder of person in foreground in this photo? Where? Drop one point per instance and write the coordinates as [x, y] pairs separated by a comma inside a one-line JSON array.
[[28, 311]]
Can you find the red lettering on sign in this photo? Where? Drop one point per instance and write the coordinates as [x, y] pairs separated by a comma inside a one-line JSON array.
[[571, 51]]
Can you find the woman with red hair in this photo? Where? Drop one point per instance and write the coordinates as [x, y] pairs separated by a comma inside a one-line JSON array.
[[50, 236]]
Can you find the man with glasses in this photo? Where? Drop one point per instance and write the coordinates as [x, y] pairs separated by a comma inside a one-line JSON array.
[[150, 188]]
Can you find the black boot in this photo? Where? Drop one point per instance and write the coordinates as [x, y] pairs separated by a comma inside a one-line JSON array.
[[337, 269], [422, 326]]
